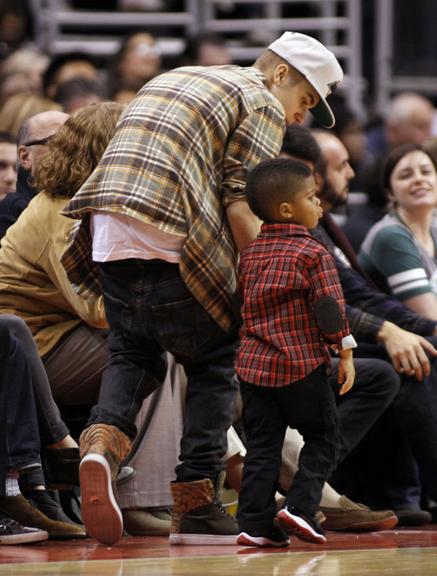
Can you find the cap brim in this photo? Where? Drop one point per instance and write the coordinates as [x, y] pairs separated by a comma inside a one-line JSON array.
[[323, 114]]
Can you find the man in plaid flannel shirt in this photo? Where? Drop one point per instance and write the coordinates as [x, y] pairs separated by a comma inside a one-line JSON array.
[[166, 210]]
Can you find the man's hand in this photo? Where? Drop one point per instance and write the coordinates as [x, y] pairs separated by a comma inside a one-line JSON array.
[[407, 350], [245, 226]]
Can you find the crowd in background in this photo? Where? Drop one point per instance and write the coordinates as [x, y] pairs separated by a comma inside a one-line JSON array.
[[46, 120]]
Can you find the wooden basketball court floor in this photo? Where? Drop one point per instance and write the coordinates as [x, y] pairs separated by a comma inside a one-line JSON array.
[[398, 552]]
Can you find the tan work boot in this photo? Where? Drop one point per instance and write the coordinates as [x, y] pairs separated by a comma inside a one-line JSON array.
[[21, 510], [353, 517], [102, 448], [198, 517]]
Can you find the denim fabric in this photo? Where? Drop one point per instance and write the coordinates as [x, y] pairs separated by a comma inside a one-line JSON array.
[[307, 405], [51, 426], [150, 311], [22, 437]]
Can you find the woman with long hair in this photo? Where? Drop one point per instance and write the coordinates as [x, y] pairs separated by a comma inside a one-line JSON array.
[[400, 251]]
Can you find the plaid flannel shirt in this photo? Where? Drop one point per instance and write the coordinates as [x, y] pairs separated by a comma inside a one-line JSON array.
[[282, 274], [179, 157]]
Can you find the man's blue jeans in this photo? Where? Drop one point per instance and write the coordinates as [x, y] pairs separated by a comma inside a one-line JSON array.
[[149, 311], [22, 434]]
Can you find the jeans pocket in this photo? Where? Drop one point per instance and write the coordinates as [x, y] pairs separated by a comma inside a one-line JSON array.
[[118, 313], [184, 328]]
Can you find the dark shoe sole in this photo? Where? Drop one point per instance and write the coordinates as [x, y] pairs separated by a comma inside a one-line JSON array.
[[100, 512], [245, 539], [298, 527]]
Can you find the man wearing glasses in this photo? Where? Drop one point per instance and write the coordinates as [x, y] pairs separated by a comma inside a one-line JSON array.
[[32, 140]]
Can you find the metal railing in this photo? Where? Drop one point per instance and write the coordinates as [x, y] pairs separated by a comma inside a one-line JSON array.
[[336, 23]]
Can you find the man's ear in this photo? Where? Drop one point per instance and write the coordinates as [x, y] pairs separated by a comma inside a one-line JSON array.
[[280, 74], [24, 157], [319, 182], [286, 210]]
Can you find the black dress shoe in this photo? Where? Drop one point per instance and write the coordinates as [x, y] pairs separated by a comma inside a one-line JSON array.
[[413, 517]]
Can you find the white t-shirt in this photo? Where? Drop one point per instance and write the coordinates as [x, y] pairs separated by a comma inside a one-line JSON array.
[[119, 237]]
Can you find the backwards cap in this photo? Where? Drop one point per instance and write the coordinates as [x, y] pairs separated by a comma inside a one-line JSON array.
[[316, 63]]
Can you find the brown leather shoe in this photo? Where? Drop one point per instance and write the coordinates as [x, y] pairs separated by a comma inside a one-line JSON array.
[[22, 511], [147, 521], [353, 517], [102, 448]]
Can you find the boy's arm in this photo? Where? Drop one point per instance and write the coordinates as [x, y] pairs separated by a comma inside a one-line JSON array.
[[328, 302]]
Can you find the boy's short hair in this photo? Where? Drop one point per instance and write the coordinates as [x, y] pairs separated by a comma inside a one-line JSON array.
[[272, 182]]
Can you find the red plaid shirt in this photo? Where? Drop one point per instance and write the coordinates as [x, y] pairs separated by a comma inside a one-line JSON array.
[[282, 273]]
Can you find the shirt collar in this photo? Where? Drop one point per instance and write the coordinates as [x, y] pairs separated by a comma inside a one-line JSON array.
[[279, 229]]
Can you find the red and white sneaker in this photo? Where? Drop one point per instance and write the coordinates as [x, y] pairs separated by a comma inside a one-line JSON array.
[[275, 538], [295, 522]]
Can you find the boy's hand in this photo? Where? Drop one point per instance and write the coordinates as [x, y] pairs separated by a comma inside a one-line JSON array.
[[346, 371]]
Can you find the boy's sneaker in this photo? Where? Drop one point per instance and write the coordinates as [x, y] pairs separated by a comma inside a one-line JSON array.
[[274, 538], [296, 522]]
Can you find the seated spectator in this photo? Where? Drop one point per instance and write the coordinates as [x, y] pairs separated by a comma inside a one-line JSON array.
[[8, 165], [20, 107], [69, 330], [78, 92], [361, 217], [137, 61], [16, 26], [30, 64], [386, 329], [349, 128], [23, 446], [205, 50], [399, 251], [32, 142], [408, 121], [63, 67], [59, 319]]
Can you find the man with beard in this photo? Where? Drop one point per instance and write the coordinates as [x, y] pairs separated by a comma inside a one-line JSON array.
[[384, 328]]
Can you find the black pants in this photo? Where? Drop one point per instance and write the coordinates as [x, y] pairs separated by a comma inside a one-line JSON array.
[[414, 411], [375, 387], [307, 405], [150, 310]]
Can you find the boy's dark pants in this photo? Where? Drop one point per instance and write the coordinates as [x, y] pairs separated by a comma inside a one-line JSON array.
[[307, 405]]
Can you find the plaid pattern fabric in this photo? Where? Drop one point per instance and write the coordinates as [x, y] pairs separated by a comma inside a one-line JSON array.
[[282, 274], [367, 307], [179, 156]]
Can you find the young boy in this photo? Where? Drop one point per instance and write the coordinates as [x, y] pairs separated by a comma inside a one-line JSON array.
[[293, 312]]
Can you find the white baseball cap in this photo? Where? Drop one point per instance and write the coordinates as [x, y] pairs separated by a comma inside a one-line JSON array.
[[318, 64]]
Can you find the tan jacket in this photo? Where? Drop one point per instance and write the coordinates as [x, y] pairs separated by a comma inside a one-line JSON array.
[[33, 283]]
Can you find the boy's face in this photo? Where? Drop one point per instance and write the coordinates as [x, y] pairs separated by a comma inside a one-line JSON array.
[[305, 207]]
